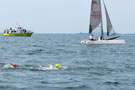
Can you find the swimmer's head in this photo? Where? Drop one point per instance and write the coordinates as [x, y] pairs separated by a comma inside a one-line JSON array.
[[58, 66]]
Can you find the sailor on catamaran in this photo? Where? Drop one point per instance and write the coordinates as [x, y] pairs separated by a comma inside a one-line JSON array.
[[91, 37], [100, 38]]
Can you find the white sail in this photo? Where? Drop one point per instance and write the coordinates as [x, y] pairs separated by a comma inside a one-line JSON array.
[[96, 16], [109, 24]]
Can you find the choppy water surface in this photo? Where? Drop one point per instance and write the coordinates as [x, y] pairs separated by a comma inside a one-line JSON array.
[[86, 67]]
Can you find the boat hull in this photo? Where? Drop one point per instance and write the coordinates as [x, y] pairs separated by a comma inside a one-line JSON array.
[[103, 42], [18, 35]]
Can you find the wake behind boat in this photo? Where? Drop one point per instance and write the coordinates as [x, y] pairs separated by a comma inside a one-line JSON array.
[[17, 31], [96, 22]]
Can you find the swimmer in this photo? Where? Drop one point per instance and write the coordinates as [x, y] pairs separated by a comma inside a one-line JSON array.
[[14, 65], [56, 66]]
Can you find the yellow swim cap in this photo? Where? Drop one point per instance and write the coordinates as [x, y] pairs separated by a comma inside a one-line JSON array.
[[58, 66]]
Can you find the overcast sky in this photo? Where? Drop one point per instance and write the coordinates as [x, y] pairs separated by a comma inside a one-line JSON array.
[[63, 16]]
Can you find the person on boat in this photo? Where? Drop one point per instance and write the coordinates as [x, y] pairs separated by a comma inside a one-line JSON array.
[[14, 65], [100, 38], [25, 31], [5, 31], [91, 37]]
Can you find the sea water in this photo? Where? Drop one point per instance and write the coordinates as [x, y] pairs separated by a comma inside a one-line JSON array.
[[86, 67]]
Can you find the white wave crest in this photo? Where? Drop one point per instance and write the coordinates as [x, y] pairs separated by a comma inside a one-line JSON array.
[[7, 66], [50, 67]]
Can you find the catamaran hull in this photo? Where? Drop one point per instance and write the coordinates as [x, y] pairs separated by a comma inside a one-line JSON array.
[[103, 42], [19, 35]]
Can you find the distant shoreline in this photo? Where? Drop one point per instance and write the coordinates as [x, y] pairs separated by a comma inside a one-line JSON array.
[[76, 33], [73, 33]]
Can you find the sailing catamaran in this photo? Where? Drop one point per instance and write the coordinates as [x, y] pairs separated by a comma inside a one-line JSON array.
[[96, 20]]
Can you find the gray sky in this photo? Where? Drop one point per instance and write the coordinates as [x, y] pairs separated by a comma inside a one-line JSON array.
[[63, 16]]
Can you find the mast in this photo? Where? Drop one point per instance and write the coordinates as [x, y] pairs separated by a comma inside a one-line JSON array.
[[102, 32]]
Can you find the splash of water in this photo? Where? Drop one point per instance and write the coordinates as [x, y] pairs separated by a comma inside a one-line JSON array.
[[50, 67], [7, 66]]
